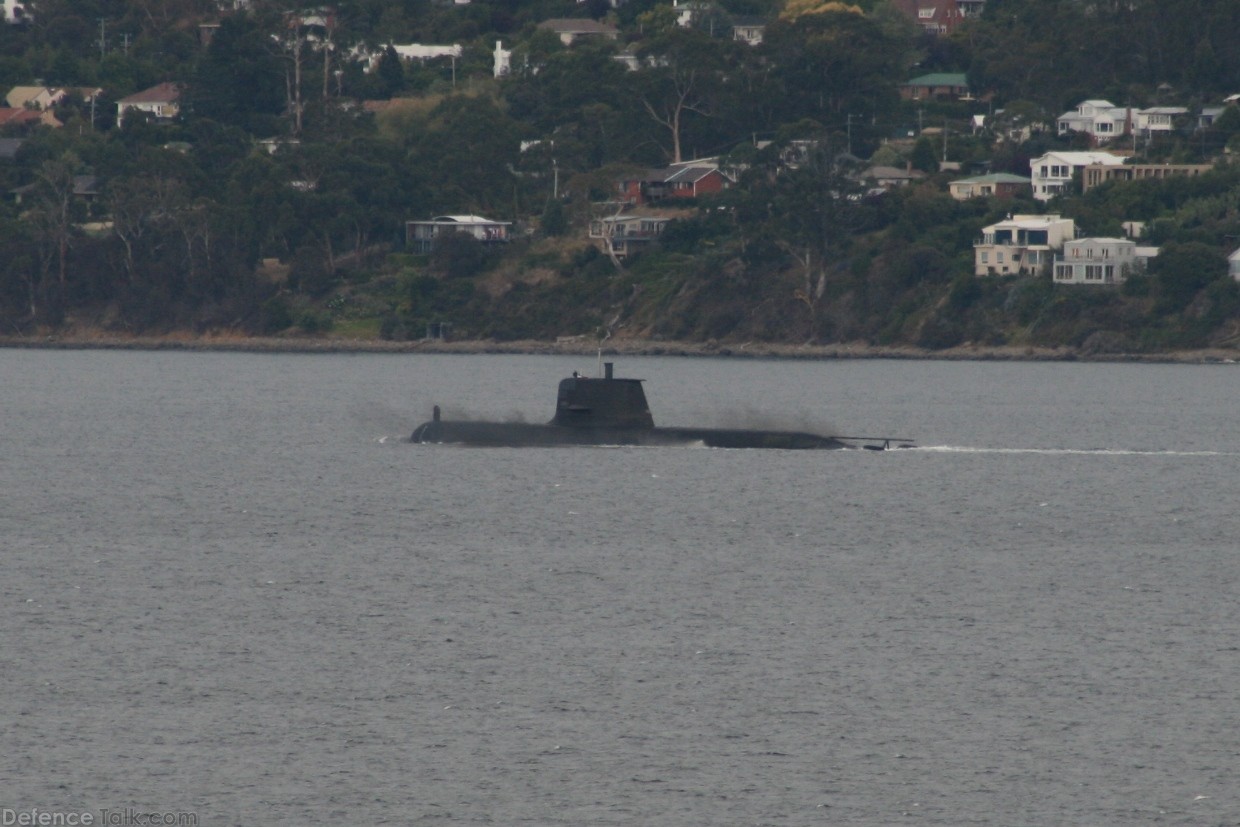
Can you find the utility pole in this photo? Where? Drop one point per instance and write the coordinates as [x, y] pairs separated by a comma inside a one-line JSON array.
[[103, 39], [848, 121]]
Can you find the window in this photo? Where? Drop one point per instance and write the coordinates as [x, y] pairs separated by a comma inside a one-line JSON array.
[[998, 258], [985, 257]]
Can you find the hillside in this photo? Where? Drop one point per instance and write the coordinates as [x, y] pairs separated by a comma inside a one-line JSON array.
[[271, 195]]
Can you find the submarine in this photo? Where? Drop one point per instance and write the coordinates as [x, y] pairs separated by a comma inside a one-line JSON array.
[[614, 411]]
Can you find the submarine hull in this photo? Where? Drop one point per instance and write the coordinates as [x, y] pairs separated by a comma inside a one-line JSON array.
[[613, 411], [518, 435]]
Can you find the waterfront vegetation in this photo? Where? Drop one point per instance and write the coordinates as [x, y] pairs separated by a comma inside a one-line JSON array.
[[275, 203]]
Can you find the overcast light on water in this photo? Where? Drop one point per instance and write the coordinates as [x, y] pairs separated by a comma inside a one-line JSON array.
[[233, 589]]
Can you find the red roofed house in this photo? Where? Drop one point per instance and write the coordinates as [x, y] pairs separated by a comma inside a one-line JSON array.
[[27, 118], [934, 16], [160, 101], [684, 180]]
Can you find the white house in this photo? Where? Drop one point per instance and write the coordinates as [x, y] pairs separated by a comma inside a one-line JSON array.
[[1096, 261], [1021, 245], [687, 10], [1100, 119], [749, 30], [1158, 120], [1233, 265], [421, 235], [407, 52], [502, 64], [161, 101], [626, 234], [15, 11], [1052, 172]]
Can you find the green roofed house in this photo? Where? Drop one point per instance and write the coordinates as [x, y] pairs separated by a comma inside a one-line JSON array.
[[937, 86], [997, 185]]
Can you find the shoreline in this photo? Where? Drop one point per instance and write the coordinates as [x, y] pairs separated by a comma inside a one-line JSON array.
[[576, 346]]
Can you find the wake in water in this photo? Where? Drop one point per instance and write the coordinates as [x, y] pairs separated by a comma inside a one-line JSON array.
[[1118, 452]]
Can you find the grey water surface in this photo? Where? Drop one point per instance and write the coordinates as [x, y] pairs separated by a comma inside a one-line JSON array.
[[230, 587]]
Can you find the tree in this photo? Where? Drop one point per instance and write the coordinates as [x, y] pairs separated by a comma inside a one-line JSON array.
[[240, 80], [809, 213], [391, 73], [923, 156], [1182, 270], [141, 207], [458, 255], [54, 216], [835, 64], [682, 82]]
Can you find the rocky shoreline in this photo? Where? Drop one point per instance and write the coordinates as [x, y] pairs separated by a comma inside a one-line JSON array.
[[582, 345]]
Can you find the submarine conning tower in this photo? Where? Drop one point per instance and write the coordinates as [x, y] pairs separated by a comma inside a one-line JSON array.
[[602, 403]]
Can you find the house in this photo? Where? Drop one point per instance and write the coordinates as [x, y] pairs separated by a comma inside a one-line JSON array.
[[501, 63], [40, 98], [970, 8], [934, 16], [687, 11], [936, 86], [624, 235], [888, 178], [1233, 264], [43, 98], [689, 179], [1021, 245], [9, 147], [16, 11], [570, 29], [409, 52], [997, 185], [1096, 261], [27, 118], [1016, 127], [1158, 120], [1095, 175], [1100, 119], [85, 188], [1054, 171], [749, 30], [1209, 114], [420, 235], [161, 101]]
